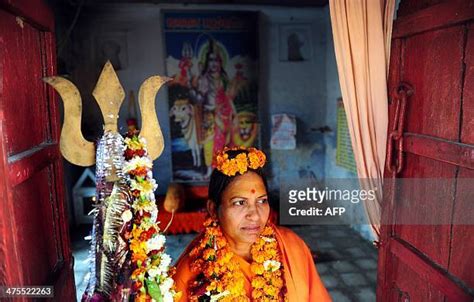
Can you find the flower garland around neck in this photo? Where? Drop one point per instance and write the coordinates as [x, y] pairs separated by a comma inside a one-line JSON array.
[[219, 277], [151, 275]]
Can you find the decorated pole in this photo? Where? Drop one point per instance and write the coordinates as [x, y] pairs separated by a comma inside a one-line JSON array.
[[127, 258]]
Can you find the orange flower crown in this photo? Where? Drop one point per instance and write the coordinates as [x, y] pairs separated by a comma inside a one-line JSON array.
[[252, 159]]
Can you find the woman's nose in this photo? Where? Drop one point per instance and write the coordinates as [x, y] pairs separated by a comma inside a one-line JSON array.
[[252, 213]]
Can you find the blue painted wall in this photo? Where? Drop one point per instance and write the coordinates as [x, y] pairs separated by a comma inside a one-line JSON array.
[[309, 90]]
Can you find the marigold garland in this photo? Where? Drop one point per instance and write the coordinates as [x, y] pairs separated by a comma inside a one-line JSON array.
[[151, 275], [252, 159], [219, 277]]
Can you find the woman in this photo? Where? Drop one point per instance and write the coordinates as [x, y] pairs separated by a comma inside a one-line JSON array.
[[218, 107], [241, 256]]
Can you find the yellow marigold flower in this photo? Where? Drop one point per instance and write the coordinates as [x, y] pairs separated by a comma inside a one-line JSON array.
[[258, 282], [259, 257], [277, 282], [271, 290], [212, 286], [257, 294], [257, 268], [136, 232], [137, 246]]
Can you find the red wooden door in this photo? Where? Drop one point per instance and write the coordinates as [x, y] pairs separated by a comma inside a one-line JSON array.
[[34, 241], [433, 52]]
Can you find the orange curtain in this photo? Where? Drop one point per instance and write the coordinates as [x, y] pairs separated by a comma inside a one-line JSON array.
[[362, 32]]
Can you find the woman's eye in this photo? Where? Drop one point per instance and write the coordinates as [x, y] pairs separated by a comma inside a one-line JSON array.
[[239, 202], [262, 201]]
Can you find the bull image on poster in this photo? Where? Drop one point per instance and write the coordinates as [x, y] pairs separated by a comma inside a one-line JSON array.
[[212, 58]]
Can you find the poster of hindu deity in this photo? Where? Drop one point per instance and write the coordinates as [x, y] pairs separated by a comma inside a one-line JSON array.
[[212, 58]]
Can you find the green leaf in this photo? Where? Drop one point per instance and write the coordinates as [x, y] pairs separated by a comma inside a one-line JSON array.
[[154, 290]]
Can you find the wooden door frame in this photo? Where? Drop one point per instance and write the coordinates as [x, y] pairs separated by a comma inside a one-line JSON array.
[[23, 166], [447, 14]]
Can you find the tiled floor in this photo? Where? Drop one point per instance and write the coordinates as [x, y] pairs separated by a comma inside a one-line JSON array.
[[346, 263]]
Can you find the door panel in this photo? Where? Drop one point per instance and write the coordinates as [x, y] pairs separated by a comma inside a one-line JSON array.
[[40, 253], [34, 241], [437, 81], [467, 131], [462, 245], [28, 92], [410, 286], [428, 202], [432, 46]]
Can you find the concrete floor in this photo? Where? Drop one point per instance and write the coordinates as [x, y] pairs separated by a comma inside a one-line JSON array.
[[345, 261]]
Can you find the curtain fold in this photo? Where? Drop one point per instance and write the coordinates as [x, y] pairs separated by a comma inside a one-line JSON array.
[[362, 32]]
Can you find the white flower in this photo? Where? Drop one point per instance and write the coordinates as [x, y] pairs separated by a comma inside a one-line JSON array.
[[218, 296], [127, 216], [271, 265], [155, 243], [167, 297], [165, 262], [268, 239], [146, 187], [147, 205], [153, 272], [166, 285], [137, 162], [154, 214]]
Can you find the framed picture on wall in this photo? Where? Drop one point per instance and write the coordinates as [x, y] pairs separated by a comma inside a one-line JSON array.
[[212, 57], [295, 42]]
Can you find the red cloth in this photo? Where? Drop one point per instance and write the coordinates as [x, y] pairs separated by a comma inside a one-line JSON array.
[[183, 222]]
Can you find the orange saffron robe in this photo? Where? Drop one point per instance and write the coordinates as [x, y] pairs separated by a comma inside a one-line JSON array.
[[302, 280]]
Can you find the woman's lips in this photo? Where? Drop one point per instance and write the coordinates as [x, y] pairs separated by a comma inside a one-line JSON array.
[[255, 229]]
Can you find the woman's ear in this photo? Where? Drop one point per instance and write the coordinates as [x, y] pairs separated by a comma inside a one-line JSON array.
[[212, 208]]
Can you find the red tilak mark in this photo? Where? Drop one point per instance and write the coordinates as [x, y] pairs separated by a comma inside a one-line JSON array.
[[253, 191]]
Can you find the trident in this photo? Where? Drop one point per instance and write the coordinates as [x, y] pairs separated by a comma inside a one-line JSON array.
[[109, 94]]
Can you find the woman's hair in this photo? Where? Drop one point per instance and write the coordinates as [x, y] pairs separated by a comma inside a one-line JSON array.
[[219, 181]]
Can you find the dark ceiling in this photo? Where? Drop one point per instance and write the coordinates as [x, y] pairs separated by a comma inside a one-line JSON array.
[[292, 3]]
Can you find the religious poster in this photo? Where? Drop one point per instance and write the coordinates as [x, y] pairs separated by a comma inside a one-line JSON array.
[[283, 132], [212, 58]]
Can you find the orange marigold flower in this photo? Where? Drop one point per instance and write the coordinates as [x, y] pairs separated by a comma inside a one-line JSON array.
[[209, 254], [267, 231], [143, 298], [137, 272], [138, 257], [241, 160]]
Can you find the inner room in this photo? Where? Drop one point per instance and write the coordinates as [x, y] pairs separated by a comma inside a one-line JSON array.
[[235, 151], [280, 59]]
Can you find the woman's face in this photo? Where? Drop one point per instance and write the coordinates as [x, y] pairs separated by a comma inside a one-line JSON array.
[[214, 63], [244, 209]]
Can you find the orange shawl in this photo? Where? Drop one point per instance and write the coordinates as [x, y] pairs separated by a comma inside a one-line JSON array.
[[302, 279]]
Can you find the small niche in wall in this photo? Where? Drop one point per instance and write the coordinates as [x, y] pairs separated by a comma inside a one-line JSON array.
[[344, 152], [295, 42], [113, 47]]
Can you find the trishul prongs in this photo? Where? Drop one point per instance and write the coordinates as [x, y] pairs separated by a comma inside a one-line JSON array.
[[109, 94]]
